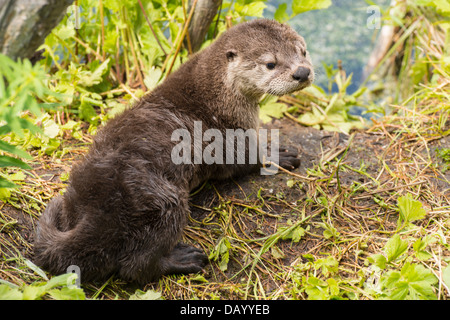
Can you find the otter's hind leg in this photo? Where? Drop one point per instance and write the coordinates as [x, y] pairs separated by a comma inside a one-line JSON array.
[[152, 249], [183, 259]]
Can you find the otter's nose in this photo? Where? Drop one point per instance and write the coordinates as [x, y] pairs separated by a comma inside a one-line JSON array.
[[301, 74]]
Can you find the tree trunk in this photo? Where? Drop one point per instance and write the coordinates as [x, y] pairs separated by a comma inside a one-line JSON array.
[[204, 13], [24, 24]]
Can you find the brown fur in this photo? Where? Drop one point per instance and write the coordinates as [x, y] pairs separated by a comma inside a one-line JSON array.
[[126, 203]]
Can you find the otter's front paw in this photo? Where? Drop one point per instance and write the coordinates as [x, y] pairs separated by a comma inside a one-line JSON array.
[[288, 158]]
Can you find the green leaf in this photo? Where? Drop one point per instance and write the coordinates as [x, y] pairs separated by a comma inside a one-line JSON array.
[[328, 266], [66, 293], [446, 276], [379, 260], [221, 251], [420, 246], [277, 253], [281, 14], [147, 295], [442, 6], [5, 193], [51, 128], [36, 269], [9, 293], [6, 161], [410, 209], [395, 247], [292, 233], [270, 108], [253, 9], [316, 289], [89, 79], [14, 150], [333, 286], [300, 6], [87, 112], [412, 282]]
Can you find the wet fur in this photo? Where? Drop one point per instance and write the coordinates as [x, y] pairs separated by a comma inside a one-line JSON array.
[[126, 203]]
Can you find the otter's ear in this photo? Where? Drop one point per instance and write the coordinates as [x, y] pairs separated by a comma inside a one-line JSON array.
[[231, 54]]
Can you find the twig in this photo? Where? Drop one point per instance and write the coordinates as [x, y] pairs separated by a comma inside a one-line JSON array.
[[191, 13], [151, 27]]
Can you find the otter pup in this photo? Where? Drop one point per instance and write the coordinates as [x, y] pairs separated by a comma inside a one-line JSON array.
[[126, 203]]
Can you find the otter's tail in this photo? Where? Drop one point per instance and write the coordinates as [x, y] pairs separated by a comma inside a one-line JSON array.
[[50, 241]]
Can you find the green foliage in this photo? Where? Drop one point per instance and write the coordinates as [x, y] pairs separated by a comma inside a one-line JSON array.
[[412, 282], [444, 154], [221, 253], [410, 209], [271, 108], [92, 73], [23, 91], [300, 6], [59, 288]]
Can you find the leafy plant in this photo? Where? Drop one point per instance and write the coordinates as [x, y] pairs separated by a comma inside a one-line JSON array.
[[221, 253], [393, 249], [410, 209], [59, 287], [444, 154], [412, 282], [23, 90]]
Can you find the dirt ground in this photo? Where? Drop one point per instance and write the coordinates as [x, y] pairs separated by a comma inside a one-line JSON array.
[[250, 209]]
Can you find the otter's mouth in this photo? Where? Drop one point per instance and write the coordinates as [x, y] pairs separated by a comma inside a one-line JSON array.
[[291, 88]]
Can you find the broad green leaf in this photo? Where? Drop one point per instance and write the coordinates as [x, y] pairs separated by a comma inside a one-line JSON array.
[[253, 9], [9, 293], [277, 253], [51, 146], [51, 128], [443, 7], [270, 108], [328, 266], [292, 233], [87, 112], [221, 251], [379, 260], [412, 282], [300, 6], [33, 292], [316, 289], [66, 293], [410, 209], [152, 78], [281, 14], [333, 286], [395, 247], [89, 79], [420, 246]]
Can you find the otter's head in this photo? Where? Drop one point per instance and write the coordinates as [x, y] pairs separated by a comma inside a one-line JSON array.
[[264, 56]]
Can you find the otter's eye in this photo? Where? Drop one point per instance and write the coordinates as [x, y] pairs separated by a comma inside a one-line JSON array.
[[270, 66]]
